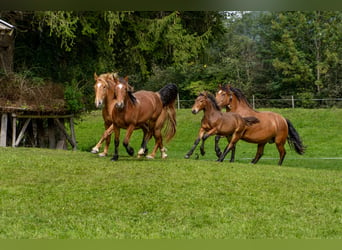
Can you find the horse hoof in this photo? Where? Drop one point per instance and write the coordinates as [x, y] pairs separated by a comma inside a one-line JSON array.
[[149, 157], [94, 150], [130, 152], [114, 158], [102, 154], [187, 156]]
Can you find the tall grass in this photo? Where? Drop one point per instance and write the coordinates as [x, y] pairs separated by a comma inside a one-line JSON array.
[[55, 194]]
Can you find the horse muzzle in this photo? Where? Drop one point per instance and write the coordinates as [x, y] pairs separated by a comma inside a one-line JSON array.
[[119, 105], [194, 111], [98, 104]]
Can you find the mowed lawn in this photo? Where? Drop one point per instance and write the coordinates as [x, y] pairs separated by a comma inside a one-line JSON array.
[[55, 194]]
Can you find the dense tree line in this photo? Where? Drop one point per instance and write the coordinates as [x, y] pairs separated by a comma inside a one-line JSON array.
[[268, 54]]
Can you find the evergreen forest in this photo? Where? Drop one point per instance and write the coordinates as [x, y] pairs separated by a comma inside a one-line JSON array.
[[266, 54]]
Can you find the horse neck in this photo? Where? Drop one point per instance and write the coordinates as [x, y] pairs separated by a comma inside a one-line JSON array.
[[109, 100], [241, 107], [210, 111]]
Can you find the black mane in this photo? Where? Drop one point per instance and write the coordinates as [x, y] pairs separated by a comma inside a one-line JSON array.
[[132, 97], [212, 98], [239, 95]]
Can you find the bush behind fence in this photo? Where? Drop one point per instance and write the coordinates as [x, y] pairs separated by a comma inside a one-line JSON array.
[[282, 103]]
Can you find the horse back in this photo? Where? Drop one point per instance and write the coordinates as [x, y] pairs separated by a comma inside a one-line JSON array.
[[148, 106], [271, 127]]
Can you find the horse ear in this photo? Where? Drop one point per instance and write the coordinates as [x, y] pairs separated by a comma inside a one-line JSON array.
[[126, 79], [115, 75], [220, 86], [95, 76]]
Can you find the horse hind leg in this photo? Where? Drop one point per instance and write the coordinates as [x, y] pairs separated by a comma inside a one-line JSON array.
[[143, 148], [158, 144], [282, 152], [259, 153], [217, 147], [230, 147]]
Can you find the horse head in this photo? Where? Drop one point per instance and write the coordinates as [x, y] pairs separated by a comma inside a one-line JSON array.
[[123, 92], [224, 96], [103, 83], [200, 102]]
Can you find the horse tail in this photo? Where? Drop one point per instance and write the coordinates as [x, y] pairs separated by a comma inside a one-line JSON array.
[[250, 120], [168, 95], [294, 140]]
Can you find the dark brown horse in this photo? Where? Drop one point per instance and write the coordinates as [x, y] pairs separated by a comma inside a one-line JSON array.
[[214, 122], [136, 110], [273, 128]]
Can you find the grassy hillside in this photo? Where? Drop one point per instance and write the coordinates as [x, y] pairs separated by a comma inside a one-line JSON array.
[[64, 194]]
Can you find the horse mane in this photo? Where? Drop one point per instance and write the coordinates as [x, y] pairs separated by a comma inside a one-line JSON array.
[[239, 95], [212, 98]]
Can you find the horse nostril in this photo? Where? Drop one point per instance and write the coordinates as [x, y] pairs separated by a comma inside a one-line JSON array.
[[119, 105], [194, 111], [98, 104]]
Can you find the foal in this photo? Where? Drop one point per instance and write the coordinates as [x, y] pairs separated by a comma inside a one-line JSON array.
[[214, 122]]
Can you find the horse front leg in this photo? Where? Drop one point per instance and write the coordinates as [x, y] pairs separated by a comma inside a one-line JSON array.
[[116, 143], [191, 151], [259, 153], [128, 135], [105, 136], [147, 136], [204, 138]]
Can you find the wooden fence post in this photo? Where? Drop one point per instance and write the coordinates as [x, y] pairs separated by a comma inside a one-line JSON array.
[[3, 135]]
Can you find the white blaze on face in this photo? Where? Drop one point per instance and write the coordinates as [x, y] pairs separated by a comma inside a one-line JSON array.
[[220, 92], [120, 86]]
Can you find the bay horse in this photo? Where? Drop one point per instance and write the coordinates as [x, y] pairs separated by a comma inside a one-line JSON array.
[[272, 128], [214, 122], [104, 97], [134, 110]]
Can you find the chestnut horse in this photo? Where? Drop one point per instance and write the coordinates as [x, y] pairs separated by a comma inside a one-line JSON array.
[[214, 122], [134, 110], [104, 97], [273, 128]]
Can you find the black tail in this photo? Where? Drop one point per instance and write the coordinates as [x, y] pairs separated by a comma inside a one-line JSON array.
[[294, 139], [168, 93], [250, 120]]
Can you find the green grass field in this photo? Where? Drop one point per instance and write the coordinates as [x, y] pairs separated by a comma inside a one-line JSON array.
[[55, 194]]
